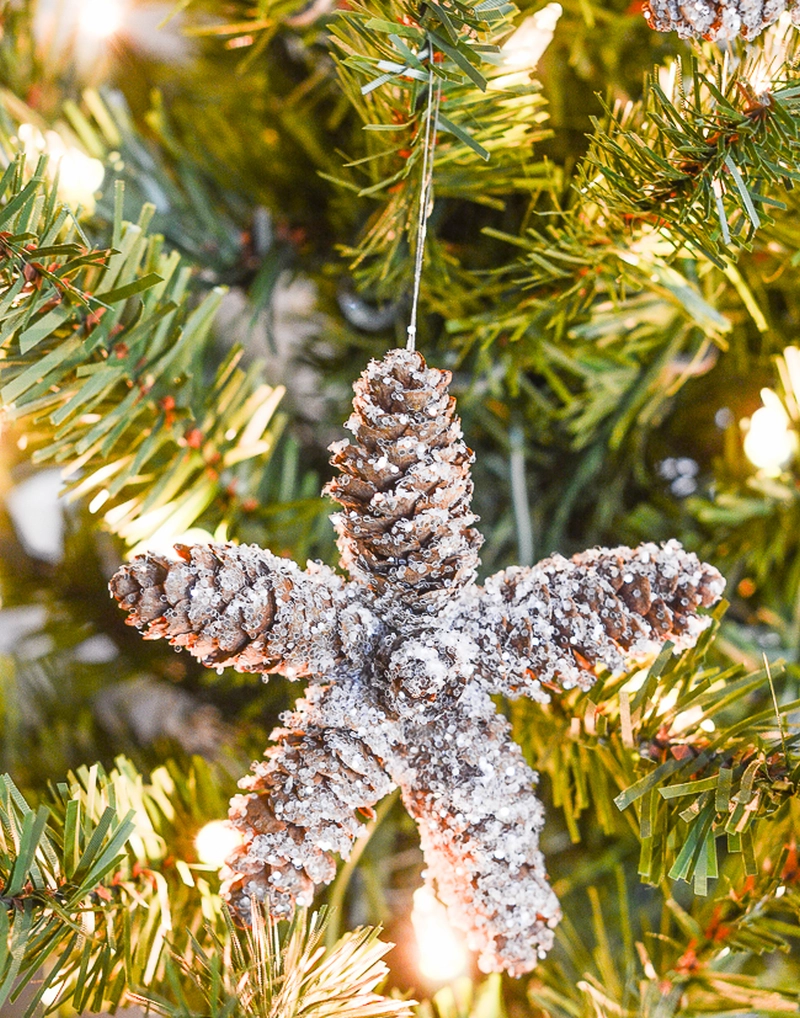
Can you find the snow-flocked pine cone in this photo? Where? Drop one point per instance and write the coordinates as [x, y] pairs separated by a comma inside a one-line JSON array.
[[550, 624], [301, 806], [474, 800], [402, 661], [716, 19], [406, 526], [235, 606]]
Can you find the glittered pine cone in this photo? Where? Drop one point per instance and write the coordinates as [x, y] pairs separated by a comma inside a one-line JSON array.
[[301, 805], [716, 19], [234, 606], [406, 526]]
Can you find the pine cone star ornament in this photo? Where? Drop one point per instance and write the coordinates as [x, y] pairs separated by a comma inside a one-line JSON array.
[[402, 660]]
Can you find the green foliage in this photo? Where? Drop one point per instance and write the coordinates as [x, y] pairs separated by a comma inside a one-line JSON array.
[[105, 897], [693, 767], [49, 877], [465, 999], [282, 970], [697, 164], [682, 751], [483, 143], [685, 965], [97, 877], [106, 365]]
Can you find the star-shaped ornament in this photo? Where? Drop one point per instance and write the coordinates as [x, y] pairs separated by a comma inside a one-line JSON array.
[[402, 659]]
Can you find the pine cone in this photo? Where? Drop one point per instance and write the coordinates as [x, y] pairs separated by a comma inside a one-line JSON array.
[[301, 807], [552, 623], [406, 530], [479, 818], [716, 19], [239, 607]]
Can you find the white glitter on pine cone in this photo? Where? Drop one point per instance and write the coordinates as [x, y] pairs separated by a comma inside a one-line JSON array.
[[402, 660], [717, 20]]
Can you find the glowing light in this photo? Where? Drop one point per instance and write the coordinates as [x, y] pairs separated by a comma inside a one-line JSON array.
[[772, 56], [668, 701], [79, 176], [52, 993], [687, 718], [770, 442], [523, 50], [442, 954], [215, 842], [636, 681], [525, 47], [667, 76], [691, 717], [101, 18]]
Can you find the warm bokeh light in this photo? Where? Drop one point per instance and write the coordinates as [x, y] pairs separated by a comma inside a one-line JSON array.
[[770, 442], [215, 842], [523, 50], [525, 47], [691, 718], [101, 18], [442, 955], [770, 58], [79, 176]]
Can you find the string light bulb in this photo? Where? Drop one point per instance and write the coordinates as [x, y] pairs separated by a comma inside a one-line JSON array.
[[101, 18], [215, 842], [770, 442], [442, 955], [523, 50], [79, 175]]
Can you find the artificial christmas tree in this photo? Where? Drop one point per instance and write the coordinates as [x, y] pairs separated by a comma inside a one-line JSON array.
[[610, 281]]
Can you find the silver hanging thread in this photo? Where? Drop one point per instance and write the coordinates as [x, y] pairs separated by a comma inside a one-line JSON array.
[[426, 193]]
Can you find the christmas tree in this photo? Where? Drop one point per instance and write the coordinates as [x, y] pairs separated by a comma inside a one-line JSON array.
[[215, 217]]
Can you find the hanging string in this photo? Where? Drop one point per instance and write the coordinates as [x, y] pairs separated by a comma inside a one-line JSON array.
[[426, 192]]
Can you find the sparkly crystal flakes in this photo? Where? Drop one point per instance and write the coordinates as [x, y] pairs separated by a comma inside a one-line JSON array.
[[402, 659], [717, 20]]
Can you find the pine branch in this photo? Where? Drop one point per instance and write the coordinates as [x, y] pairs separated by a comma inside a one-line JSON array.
[[227, 241], [105, 364], [651, 750], [701, 166], [281, 969], [88, 893], [106, 901], [486, 125], [691, 964], [751, 522]]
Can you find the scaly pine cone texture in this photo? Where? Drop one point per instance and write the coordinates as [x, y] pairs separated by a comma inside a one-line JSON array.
[[405, 487], [403, 659], [716, 20], [234, 606]]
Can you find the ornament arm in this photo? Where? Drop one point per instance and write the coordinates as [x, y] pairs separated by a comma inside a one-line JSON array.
[[236, 606], [550, 625], [469, 789], [300, 803]]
